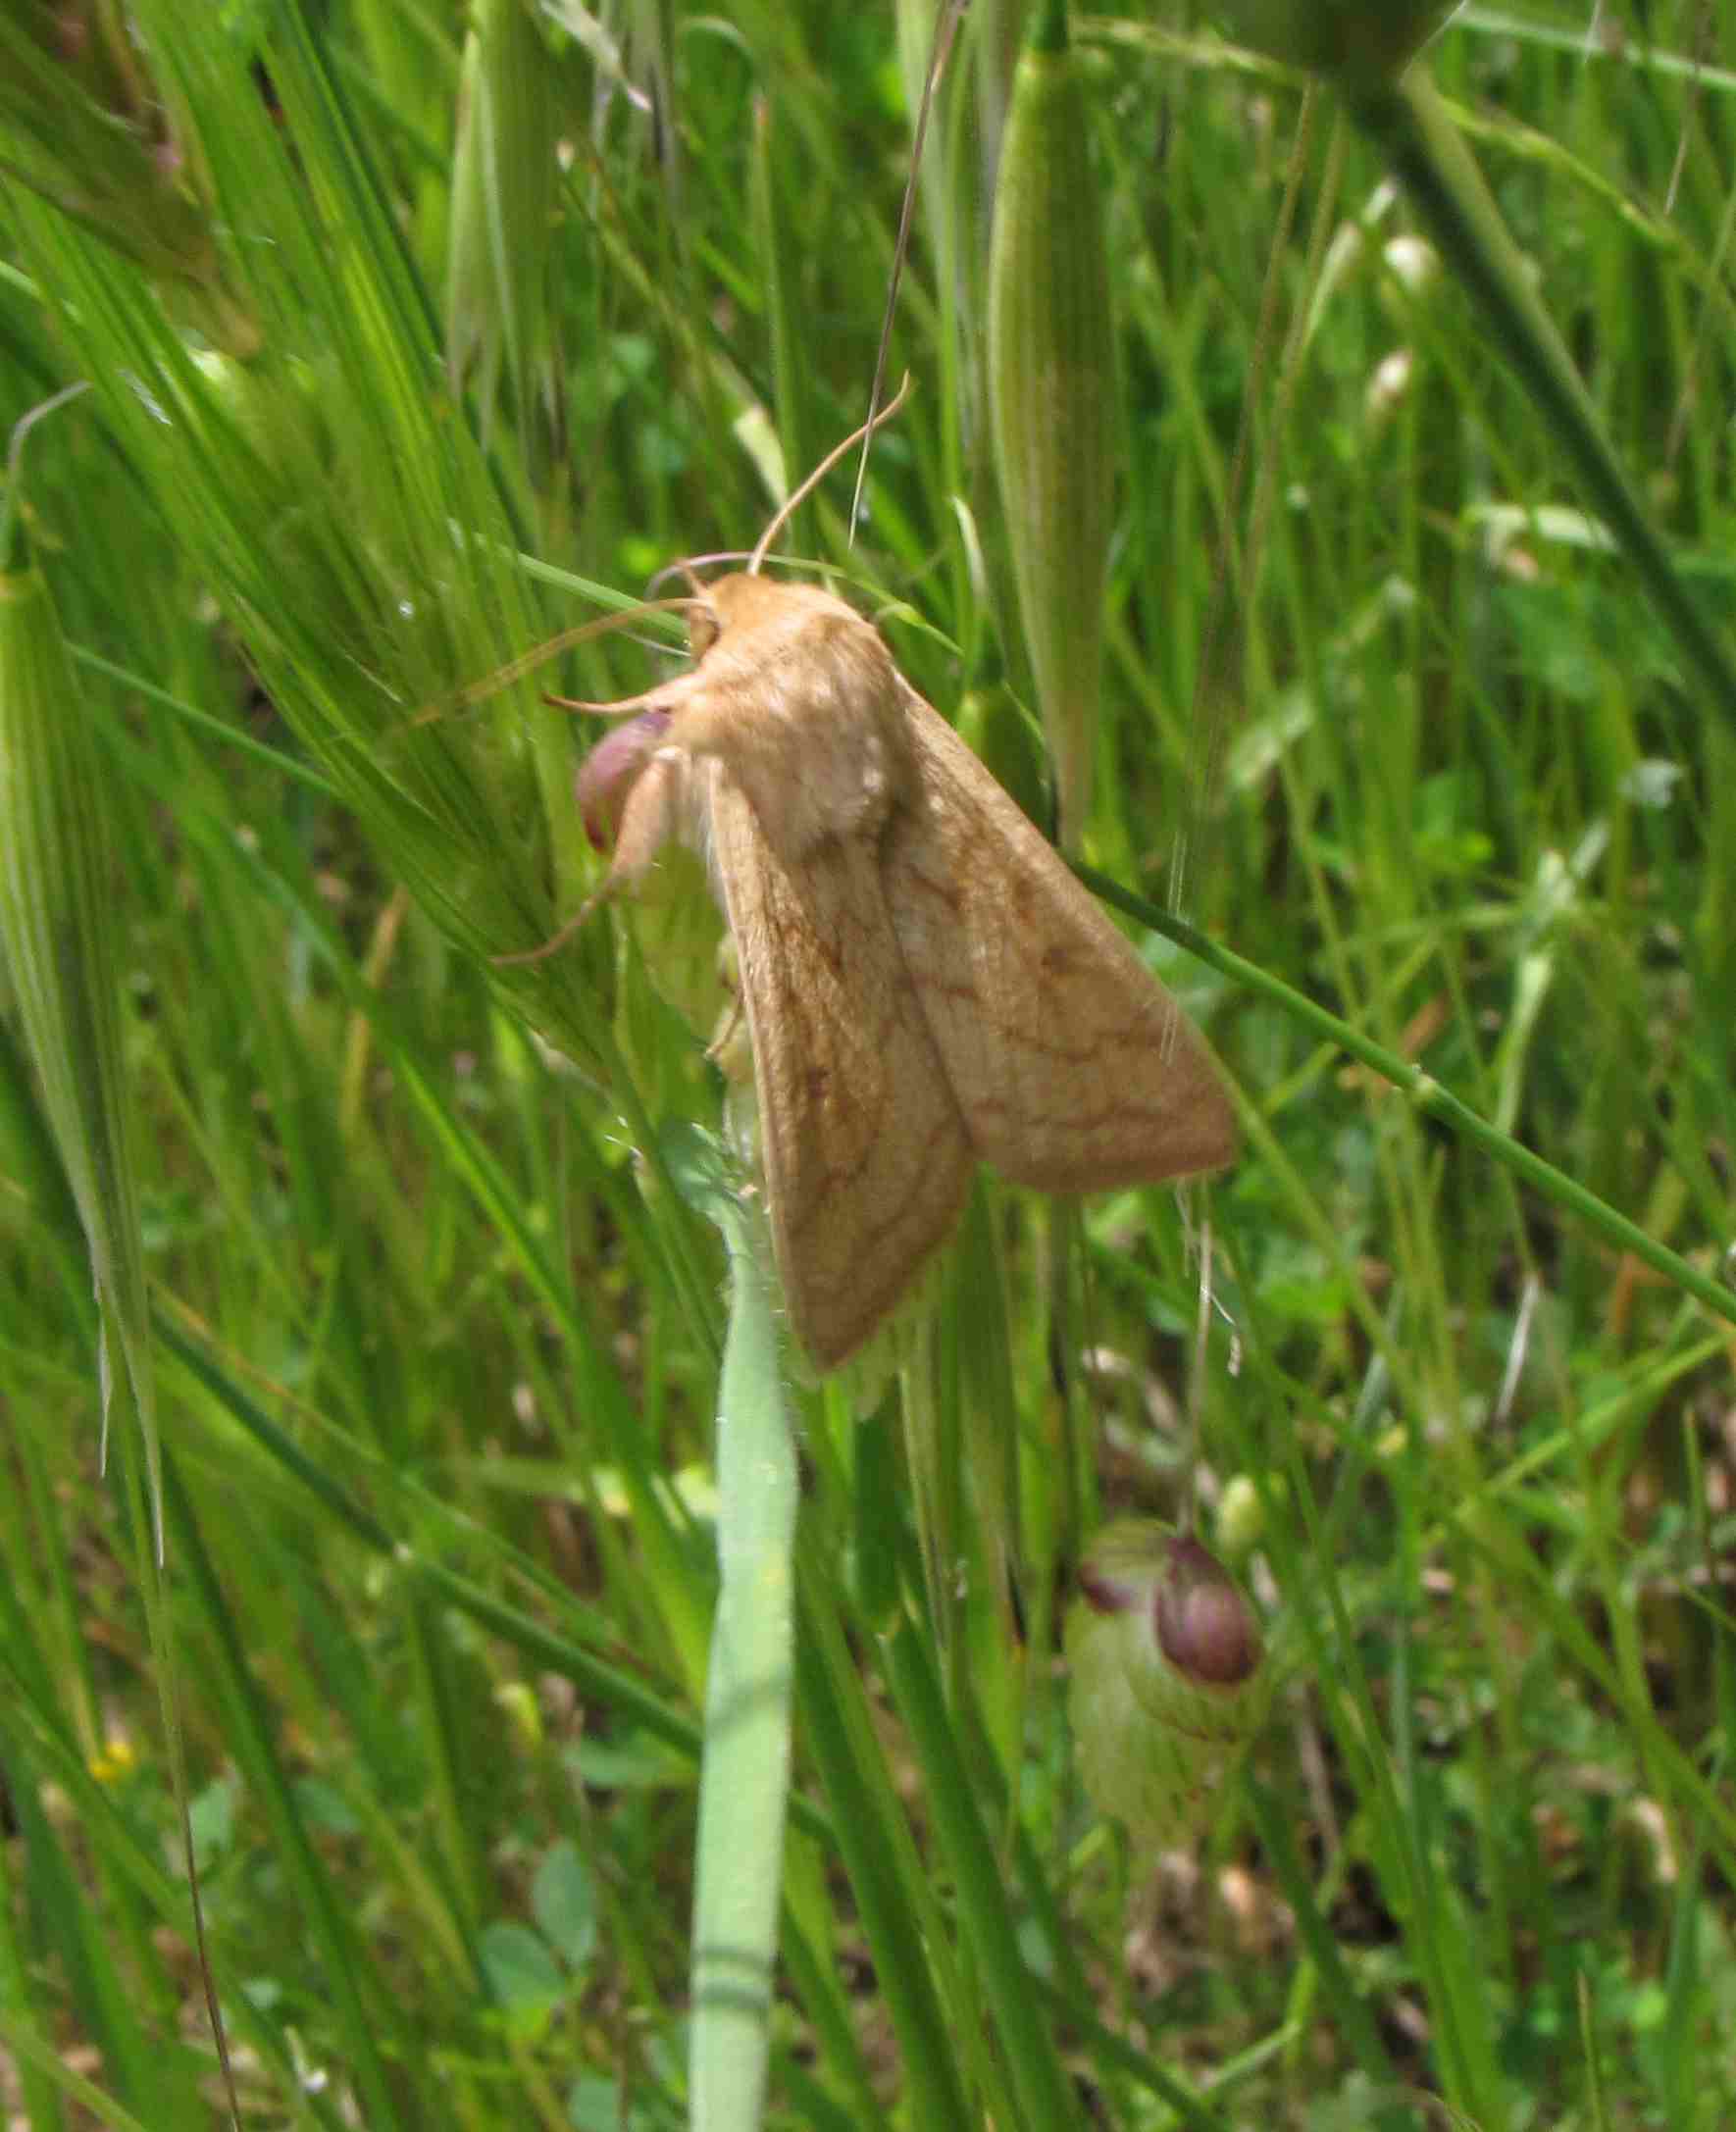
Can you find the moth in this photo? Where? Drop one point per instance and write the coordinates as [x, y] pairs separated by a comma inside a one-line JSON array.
[[925, 984]]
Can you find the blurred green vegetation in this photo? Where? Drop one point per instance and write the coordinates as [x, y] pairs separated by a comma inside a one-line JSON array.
[[403, 355]]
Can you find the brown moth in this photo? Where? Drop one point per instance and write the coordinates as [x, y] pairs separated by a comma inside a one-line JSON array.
[[925, 985]]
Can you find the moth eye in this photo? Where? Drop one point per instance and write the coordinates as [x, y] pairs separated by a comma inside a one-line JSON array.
[[702, 630]]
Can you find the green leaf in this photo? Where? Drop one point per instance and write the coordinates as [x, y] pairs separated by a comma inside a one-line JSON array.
[[563, 1901], [523, 1975]]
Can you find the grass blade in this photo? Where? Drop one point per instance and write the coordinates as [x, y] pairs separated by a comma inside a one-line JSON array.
[[745, 1784]]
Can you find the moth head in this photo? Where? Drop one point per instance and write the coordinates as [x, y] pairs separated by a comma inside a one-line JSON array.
[[607, 775], [739, 604], [745, 605]]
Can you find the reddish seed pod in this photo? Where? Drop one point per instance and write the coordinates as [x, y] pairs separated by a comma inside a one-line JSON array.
[[1168, 1686], [1204, 1624]]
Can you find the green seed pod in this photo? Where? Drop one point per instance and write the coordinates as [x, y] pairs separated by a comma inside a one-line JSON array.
[[1051, 388], [1359, 43], [1167, 1679]]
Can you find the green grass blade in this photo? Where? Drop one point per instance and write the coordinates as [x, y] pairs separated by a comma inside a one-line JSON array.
[[900, 1915], [745, 1784], [1429, 1095], [375, 2028], [1038, 2076]]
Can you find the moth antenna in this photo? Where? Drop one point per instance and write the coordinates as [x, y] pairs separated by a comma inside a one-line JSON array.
[[945, 29], [689, 564], [794, 503], [595, 710], [527, 662]]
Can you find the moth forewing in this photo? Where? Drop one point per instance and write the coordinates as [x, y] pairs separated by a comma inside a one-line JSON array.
[[1073, 1067], [867, 1164]]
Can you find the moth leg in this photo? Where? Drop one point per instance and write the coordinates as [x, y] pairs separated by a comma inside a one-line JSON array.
[[731, 1029], [651, 818]]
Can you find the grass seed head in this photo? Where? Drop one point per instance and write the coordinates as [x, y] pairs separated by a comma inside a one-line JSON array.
[[1168, 1682], [1053, 401]]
